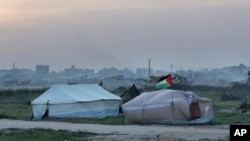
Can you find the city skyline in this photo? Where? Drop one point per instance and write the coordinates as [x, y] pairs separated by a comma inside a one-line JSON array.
[[172, 68], [124, 34]]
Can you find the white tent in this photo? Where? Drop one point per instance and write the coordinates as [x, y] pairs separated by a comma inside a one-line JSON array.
[[76, 101]]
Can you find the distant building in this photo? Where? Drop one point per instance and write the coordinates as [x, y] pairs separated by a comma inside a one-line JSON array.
[[42, 69], [248, 79], [143, 72]]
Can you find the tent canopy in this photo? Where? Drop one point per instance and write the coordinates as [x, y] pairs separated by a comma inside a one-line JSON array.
[[59, 94], [76, 101]]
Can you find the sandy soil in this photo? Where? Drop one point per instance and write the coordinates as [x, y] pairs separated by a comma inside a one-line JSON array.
[[129, 132]]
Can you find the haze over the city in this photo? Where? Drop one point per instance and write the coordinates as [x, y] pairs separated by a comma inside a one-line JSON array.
[[94, 34]]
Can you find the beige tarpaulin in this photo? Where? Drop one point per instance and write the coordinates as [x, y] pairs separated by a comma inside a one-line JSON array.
[[168, 107]]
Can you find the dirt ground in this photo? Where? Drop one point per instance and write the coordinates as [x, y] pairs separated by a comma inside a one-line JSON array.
[[129, 132]]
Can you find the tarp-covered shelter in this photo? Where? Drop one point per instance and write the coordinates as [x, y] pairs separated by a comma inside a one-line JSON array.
[[129, 94], [168, 107], [76, 101]]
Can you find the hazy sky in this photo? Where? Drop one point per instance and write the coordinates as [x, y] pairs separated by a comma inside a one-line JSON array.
[[124, 33]]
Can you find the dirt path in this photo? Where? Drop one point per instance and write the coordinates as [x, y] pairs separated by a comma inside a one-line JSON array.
[[128, 132]]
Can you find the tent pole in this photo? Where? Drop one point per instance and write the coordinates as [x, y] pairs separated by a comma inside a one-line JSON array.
[[172, 105], [172, 95]]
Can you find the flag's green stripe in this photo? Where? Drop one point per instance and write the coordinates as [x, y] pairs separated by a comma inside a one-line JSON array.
[[162, 85]]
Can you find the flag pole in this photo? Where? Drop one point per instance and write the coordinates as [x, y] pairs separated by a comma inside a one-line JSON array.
[[172, 96], [172, 104], [149, 78]]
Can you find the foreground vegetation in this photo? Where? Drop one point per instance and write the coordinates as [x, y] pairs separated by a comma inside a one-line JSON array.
[[51, 135], [42, 135]]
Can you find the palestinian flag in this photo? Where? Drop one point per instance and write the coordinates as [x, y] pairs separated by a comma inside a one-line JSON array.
[[164, 82]]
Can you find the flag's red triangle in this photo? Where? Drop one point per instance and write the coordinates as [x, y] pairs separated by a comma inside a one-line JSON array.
[[169, 79]]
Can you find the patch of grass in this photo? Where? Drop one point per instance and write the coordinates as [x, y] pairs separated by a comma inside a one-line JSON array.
[[42, 135], [220, 139], [15, 104], [220, 105], [230, 118], [119, 120], [15, 111]]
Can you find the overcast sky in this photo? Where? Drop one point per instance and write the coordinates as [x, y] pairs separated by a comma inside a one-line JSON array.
[[189, 34]]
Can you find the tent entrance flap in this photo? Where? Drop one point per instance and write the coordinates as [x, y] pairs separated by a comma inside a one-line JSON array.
[[194, 110], [39, 111]]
